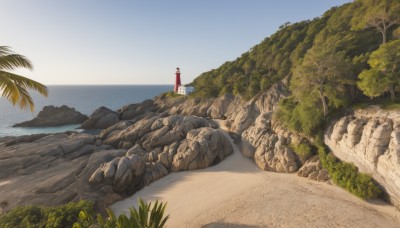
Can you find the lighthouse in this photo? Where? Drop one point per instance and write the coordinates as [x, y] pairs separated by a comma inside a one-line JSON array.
[[179, 88], [177, 79]]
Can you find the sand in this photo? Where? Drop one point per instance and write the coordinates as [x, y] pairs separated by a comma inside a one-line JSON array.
[[235, 193]]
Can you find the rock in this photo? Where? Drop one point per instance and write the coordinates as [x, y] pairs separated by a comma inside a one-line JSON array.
[[129, 112], [312, 169], [47, 169], [159, 144], [184, 105], [51, 116], [156, 131], [369, 139], [219, 107], [202, 148], [100, 119]]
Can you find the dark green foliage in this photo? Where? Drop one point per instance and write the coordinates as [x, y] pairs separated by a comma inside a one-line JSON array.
[[263, 65], [303, 150], [33, 216], [346, 175], [145, 216], [300, 117]]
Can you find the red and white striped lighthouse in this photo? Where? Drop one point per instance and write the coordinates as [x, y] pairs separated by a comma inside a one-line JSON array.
[[177, 79]]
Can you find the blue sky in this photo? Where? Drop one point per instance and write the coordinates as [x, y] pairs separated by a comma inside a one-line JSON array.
[[141, 42]]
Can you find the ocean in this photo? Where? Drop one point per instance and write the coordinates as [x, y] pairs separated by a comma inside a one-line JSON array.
[[83, 98]]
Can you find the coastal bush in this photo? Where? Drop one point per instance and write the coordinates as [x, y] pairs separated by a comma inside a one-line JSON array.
[[145, 216], [347, 176], [34, 216], [303, 150]]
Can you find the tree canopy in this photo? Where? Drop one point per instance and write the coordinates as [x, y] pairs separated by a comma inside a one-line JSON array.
[[384, 74]]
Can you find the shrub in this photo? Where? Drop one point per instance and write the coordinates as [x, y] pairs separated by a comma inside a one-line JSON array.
[[346, 175], [303, 150], [299, 117], [145, 216], [33, 216]]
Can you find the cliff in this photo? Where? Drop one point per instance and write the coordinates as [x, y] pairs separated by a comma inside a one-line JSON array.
[[370, 139]]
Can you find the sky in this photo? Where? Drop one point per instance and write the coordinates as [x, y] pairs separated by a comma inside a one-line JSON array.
[[102, 42]]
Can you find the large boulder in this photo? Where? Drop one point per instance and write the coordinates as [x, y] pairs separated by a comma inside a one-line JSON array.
[[51, 116], [100, 119], [157, 145]]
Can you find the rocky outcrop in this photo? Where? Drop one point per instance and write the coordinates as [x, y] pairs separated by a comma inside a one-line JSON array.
[[271, 150], [132, 111], [219, 107], [371, 140], [100, 119], [51, 116], [262, 139], [313, 170], [51, 169], [184, 105], [158, 145]]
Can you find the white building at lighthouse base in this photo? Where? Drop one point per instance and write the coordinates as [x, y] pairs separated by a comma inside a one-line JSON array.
[[185, 90]]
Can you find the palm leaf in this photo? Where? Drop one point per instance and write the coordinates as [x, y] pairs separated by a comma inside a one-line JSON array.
[[15, 89], [14, 61]]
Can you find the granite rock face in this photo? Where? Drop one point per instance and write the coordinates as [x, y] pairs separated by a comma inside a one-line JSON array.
[[370, 139], [132, 111], [157, 145], [270, 150], [51, 116], [100, 119], [50, 169], [313, 170]]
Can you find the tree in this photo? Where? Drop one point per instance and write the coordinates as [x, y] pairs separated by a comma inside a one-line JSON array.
[[378, 14], [384, 74], [14, 87], [320, 76]]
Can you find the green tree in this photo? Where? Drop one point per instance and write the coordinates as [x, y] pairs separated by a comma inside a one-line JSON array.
[[384, 74], [321, 75], [14, 87], [378, 14]]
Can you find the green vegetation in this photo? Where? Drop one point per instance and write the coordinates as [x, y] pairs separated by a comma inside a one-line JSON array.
[[145, 217], [303, 150], [346, 175], [380, 15], [14, 87], [81, 215], [33, 216], [170, 94], [384, 75], [333, 63]]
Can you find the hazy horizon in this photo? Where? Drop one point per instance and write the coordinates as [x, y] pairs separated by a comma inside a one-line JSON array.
[[141, 43]]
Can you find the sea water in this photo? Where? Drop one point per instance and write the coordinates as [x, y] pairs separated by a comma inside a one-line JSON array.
[[83, 98]]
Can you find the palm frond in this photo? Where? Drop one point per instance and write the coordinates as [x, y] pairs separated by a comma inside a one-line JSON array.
[[5, 50], [14, 61], [15, 89]]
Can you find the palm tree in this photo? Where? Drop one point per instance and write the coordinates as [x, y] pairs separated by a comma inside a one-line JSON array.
[[14, 87]]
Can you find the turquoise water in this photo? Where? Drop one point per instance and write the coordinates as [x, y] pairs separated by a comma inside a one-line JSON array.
[[85, 99]]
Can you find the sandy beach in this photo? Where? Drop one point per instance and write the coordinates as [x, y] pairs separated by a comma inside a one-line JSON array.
[[235, 193]]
